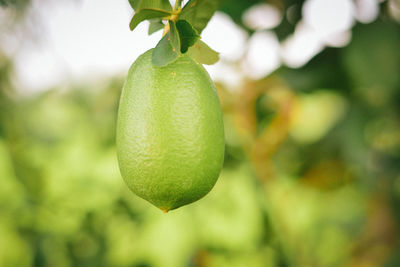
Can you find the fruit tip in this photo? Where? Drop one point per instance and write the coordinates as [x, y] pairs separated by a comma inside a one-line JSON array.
[[164, 210]]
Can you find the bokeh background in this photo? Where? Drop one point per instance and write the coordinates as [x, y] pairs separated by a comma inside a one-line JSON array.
[[311, 98]]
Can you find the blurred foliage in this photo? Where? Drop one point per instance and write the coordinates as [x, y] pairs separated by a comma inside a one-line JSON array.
[[311, 174], [14, 3]]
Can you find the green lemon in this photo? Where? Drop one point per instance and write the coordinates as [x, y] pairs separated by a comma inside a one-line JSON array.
[[170, 135]]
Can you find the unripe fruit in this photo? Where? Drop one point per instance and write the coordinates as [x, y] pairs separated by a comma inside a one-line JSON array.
[[170, 137]]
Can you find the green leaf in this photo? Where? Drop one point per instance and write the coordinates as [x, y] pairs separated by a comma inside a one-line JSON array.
[[157, 4], [149, 9], [155, 25], [133, 3], [168, 49], [174, 36], [199, 12], [187, 34], [147, 13], [203, 54]]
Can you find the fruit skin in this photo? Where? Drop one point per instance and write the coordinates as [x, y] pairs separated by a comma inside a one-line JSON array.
[[170, 135]]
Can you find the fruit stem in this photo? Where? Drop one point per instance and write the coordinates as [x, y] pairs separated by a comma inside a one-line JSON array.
[[177, 5]]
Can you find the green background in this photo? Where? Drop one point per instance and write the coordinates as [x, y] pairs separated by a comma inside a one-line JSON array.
[[311, 174]]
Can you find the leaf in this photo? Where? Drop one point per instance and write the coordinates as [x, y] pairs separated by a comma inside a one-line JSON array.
[[174, 37], [203, 54], [163, 53], [157, 4], [168, 49], [155, 25], [187, 35], [149, 9], [148, 13], [199, 12], [133, 3]]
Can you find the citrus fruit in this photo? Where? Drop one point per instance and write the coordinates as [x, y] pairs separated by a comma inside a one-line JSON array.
[[170, 135]]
